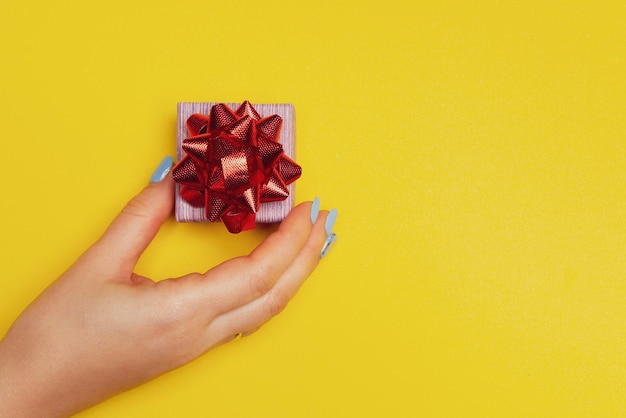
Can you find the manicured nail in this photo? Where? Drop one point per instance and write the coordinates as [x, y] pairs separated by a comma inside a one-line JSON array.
[[330, 221], [328, 245], [161, 171], [315, 209], [331, 237]]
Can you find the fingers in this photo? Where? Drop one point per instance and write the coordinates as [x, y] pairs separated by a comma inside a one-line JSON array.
[[134, 228], [252, 315], [243, 279]]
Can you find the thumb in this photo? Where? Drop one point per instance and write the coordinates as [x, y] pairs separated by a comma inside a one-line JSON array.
[[134, 228]]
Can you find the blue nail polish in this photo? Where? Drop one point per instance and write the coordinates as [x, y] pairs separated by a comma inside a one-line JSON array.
[[315, 209], [328, 245], [162, 170], [330, 221]]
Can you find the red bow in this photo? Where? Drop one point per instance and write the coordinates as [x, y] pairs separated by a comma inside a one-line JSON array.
[[234, 163]]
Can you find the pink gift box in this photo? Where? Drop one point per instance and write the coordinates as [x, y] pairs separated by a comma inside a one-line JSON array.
[[269, 212]]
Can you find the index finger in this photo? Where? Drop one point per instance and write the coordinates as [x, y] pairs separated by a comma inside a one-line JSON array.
[[238, 281]]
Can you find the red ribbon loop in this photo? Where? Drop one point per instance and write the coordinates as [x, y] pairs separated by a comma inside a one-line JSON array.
[[233, 164]]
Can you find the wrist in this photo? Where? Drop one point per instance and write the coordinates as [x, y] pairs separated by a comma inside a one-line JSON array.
[[12, 402], [24, 390]]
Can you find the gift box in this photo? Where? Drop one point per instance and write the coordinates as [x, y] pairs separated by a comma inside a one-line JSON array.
[[235, 163]]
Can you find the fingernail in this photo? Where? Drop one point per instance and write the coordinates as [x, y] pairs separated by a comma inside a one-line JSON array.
[[331, 237], [328, 245], [162, 170], [315, 209], [330, 221]]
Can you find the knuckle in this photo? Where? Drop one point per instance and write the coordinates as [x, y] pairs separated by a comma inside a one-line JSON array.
[[139, 211], [173, 313], [174, 307], [175, 326], [276, 302], [136, 208], [262, 278]]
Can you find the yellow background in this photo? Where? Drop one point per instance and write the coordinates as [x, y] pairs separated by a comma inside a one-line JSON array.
[[475, 151]]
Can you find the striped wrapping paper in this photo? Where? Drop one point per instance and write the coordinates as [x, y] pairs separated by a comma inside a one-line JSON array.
[[269, 212]]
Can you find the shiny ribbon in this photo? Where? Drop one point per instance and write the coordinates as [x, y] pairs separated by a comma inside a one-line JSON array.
[[233, 164]]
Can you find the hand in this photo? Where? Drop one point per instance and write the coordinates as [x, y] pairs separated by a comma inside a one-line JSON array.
[[101, 329]]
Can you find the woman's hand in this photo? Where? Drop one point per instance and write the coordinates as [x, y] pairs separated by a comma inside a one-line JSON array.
[[100, 329]]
